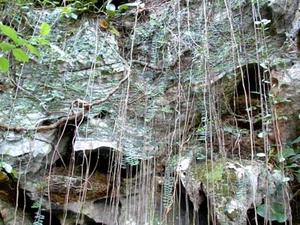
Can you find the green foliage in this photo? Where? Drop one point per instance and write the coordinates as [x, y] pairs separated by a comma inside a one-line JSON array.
[[273, 212], [20, 55], [9, 32], [8, 169], [36, 205], [111, 10], [290, 158], [19, 47], [45, 29], [38, 218], [6, 46], [214, 173], [4, 64], [69, 12], [168, 188]]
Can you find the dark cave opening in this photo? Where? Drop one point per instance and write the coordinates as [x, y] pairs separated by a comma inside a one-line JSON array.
[[105, 160], [187, 211], [46, 218], [250, 95], [35, 210], [255, 81], [14, 196], [297, 39]]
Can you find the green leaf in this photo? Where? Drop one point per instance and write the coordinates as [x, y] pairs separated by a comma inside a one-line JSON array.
[[287, 152], [293, 165], [110, 10], [74, 16], [114, 31], [33, 50], [126, 6], [123, 7], [45, 29], [273, 211], [6, 46], [298, 176], [21, 41], [20, 55], [295, 158], [39, 41], [297, 140], [4, 64], [9, 32]]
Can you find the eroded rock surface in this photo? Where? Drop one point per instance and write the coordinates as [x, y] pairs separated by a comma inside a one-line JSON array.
[[191, 98]]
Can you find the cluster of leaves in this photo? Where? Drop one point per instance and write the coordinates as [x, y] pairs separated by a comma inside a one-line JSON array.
[[274, 211], [111, 11], [168, 188], [38, 218], [70, 8], [19, 47], [8, 169], [289, 160], [73, 8], [82, 5]]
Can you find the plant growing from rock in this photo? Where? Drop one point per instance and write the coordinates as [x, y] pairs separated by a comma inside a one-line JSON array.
[[21, 49]]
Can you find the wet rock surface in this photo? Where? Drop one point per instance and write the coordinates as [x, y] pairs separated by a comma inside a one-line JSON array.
[[178, 131]]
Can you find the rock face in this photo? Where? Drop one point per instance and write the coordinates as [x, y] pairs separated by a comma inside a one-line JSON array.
[[283, 14], [233, 187], [175, 113]]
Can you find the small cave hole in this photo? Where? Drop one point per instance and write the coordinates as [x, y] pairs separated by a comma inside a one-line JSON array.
[[297, 39], [65, 137], [249, 94], [88, 221], [103, 160], [102, 114], [49, 220], [106, 161], [187, 211], [32, 208]]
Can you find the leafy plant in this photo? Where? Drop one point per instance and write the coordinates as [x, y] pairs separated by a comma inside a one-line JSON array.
[[168, 188], [273, 212], [8, 169], [288, 161], [290, 158], [19, 47], [112, 11], [38, 218]]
